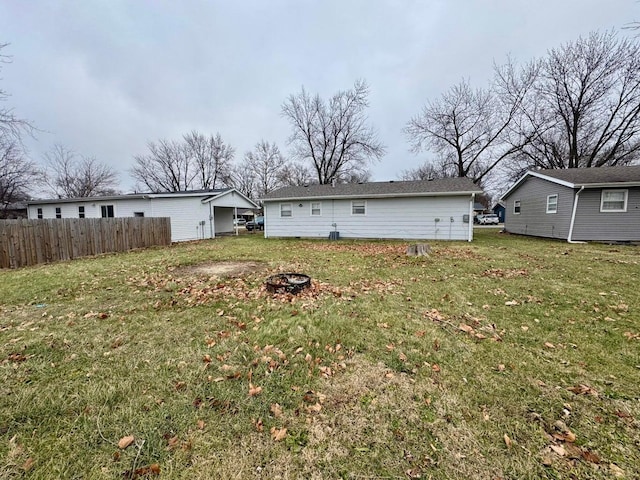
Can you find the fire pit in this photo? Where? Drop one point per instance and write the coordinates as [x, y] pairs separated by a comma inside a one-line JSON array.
[[288, 282]]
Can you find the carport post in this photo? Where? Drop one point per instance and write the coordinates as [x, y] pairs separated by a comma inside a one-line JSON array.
[[235, 217]]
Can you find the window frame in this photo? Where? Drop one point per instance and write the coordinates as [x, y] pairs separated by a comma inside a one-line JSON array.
[[625, 193], [81, 211], [39, 213], [138, 214], [105, 208], [364, 208], [517, 207], [58, 212], [549, 197], [290, 210], [319, 209]]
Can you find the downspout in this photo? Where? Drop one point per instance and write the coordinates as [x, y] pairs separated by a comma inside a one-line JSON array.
[[235, 216], [213, 235], [471, 202], [573, 216]]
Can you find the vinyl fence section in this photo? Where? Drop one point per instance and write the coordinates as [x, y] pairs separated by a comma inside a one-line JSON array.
[[30, 242]]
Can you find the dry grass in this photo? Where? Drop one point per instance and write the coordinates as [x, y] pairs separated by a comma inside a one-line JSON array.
[[505, 358]]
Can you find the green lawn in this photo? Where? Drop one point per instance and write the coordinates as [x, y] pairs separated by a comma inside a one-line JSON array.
[[508, 357]]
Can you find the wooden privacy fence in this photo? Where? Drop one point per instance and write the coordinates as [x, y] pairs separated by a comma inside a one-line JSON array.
[[29, 242]]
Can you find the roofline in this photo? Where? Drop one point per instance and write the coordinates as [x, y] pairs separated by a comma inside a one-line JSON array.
[[374, 195], [132, 196], [567, 184], [226, 192]]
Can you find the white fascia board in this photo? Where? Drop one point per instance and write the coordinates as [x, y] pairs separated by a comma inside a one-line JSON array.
[[610, 185], [521, 180], [250, 203], [51, 201], [385, 195]]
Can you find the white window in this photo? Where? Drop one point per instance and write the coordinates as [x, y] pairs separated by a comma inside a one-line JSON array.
[[552, 204], [58, 212], [614, 200], [516, 207], [316, 209], [359, 207], [106, 211], [285, 209], [40, 213], [81, 211]]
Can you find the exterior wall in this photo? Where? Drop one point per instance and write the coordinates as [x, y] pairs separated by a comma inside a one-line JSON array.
[[400, 218], [533, 219], [186, 213], [223, 219], [591, 224]]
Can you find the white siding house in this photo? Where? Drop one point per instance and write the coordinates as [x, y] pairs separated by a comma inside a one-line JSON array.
[[194, 215], [435, 209]]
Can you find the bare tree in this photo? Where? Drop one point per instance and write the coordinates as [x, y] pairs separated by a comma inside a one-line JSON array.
[[241, 181], [429, 170], [18, 174], [265, 164], [210, 157], [198, 162], [11, 126], [584, 109], [335, 135], [69, 175], [295, 174], [468, 129]]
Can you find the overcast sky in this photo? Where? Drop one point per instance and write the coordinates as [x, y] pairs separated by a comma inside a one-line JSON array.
[[104, 77]]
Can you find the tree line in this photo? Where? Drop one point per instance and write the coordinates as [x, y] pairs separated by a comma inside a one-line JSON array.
[[578, 106]]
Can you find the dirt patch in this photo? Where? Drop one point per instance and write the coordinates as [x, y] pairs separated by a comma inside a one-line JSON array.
[[221, 269]]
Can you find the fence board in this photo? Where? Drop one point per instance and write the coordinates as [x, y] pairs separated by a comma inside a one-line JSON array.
[[29, 242]]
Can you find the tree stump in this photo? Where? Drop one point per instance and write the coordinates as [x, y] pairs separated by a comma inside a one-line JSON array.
[[418, 250]]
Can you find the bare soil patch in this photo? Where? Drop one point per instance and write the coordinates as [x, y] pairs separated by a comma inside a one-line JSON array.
[[221, 269]]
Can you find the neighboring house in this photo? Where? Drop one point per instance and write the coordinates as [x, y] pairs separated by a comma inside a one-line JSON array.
[[13, 210], [194, 214], [425, 209], [577, 204], [499, 209]]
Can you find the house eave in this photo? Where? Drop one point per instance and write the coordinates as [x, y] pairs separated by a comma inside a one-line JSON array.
[[379, 195]]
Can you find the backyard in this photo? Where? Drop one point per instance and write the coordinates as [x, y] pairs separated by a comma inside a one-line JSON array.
[[504, 358]]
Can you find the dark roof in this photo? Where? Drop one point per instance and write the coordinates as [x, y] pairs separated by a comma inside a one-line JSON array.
[[595, 175], [446, 186]]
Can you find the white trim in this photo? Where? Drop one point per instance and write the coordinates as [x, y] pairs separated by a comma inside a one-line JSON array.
[[626, 198], [290, 210], [364, 205], [311, 209], [555, 204], [519, 202], [105, 204]]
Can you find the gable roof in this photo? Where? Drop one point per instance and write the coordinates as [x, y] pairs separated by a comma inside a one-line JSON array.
[[417, 188], [129, 196], [594, 177]]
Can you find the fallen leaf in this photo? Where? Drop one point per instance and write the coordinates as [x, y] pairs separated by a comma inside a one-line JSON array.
[[253, 390], [465, 328], [549, 345], [435, 367], [201, 424], [278, 433], [124, 442], [314, 408], [501, 367], [507, 441], [590, 456], [259, 426], [582, 389], [511, 303], [616, 470], [559, 450], [276, 410], [28, 464]]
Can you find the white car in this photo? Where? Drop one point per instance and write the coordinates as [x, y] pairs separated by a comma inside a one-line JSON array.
[[488, 219]]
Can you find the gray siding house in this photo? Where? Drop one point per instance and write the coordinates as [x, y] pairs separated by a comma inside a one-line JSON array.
[[429, 209], [578, 204]]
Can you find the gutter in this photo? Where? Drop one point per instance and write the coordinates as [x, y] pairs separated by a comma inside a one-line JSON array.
[[471, 203], [573, 216], [372, 195]]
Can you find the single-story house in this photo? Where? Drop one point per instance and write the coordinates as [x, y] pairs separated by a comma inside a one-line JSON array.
[[425, 209], [577, 204], [194, 214], [499, 210]]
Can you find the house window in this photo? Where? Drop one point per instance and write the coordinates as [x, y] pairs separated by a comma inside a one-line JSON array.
[[516, 207], [285, 209], [614, 201], [58, 212], [358, 207], [39, 213], [81, 211], [138, 214], [316, 209], [552, 204], [106, 211]]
